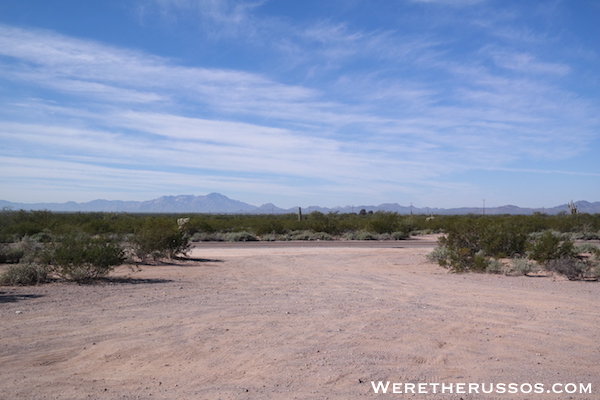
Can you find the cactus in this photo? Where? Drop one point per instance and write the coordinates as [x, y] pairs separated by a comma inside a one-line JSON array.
[[573, 208]]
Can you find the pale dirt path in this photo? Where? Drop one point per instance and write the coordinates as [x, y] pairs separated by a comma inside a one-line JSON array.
[[296, 323]]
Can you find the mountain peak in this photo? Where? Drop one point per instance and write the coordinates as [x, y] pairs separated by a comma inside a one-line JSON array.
[[221, 204]]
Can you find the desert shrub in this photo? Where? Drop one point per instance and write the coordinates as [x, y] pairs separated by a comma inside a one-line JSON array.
[[480, 262], [462, 245], [350, 236], [421, 232], [365, 236], [316, 221], [594, 272], [587, 248], [83, 258], [571, 267], [31, 249], [266, 226], [306, 235], [11, 254], [502, 239], [178, 244], [42, 237], [322, 236], [494, 266], [270, 237], [522, 266], [240, 237], [439, 255], [470, 241], [25, 274], [548, 247], [590, 236], [25, 251], [301, 235], [399, 235], [159, 238], [384, 222], [207, 237]]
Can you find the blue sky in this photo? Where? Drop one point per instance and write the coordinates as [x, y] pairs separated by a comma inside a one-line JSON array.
[[439, 103]]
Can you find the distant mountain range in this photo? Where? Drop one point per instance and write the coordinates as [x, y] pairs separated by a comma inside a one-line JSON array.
[[216, 203]]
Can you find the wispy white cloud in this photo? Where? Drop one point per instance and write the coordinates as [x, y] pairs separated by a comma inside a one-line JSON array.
[[527, 63], [413, 116]]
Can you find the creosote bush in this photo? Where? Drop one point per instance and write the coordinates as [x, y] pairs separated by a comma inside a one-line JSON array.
[[400, 235], [83, 258], [549, 246], [159, 238]]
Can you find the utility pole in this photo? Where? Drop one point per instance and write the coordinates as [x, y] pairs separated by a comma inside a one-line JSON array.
[[483, 206]]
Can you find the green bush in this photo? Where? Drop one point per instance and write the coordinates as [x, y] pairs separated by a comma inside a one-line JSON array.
[[240, 237], [25, 274], [384, 222], [471, 241], [158, 238], [462, 242], [83, 258], [399, 235], [549, 247], [502, 239]]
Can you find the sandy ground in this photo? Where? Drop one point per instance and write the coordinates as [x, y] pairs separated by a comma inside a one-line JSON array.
[[297, 323]]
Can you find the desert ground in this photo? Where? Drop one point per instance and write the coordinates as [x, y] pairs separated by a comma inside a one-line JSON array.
[[297, 321]]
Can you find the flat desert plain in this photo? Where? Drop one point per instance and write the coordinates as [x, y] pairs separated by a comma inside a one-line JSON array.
[[298, 322]]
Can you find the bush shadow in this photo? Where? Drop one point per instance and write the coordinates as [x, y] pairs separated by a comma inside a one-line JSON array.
[[14, 298], [131, 281]]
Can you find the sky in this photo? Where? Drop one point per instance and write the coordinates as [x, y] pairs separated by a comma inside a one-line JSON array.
[[438, 103]]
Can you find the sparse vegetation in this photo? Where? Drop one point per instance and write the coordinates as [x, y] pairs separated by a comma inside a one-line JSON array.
[[472, 243], [573, 268], [25, 274], [158, 238], [476, 244], [550, 247], [83, 258], [240, 237], [495, 267], [523, 266]]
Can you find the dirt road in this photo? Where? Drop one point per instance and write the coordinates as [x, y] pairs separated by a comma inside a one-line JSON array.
[[297, 323]]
